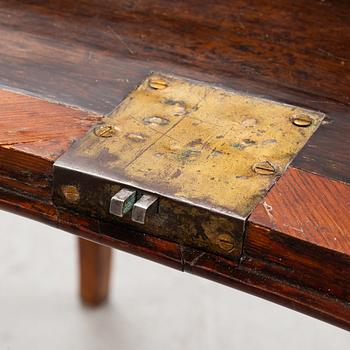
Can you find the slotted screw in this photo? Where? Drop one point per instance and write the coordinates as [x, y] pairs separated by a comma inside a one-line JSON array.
[[302, 121], [264, 168], [225, 242], [158, 83], [105, 130]]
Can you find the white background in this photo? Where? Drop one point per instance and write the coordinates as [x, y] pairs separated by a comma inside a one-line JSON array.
[[150, 307]]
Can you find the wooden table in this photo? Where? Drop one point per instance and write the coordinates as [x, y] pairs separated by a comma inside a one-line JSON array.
[[64, 64]]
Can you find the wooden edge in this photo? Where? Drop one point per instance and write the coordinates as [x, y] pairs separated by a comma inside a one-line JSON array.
[[269, 287], [209, 266], [310, 208], [148, 247], [300, 233], [33, 134], [26, 185]]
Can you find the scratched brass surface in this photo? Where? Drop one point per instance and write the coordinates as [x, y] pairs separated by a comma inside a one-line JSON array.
[[209, 154], [198, 142]]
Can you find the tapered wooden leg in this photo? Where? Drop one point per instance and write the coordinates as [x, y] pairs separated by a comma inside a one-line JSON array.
[[95, 268]]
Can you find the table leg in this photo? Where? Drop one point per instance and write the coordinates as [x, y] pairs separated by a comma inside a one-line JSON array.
[[95, 268]]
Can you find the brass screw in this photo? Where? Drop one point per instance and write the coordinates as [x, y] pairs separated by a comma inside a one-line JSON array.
[[158, 83], [71, 193], [225, 242], [105, 130], [302, 121], [264, 168]]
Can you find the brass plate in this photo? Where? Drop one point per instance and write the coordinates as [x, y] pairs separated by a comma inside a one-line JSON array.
[[189, 142]]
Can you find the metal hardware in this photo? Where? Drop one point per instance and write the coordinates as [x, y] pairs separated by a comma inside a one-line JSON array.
[[302, 120], [71, 193], [122, 202], [200, 149], [105, 130], [264, 168], [144, 207], [225, 242], [157, 83]]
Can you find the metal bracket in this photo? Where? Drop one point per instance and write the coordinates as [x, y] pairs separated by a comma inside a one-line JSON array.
[[183, 160]]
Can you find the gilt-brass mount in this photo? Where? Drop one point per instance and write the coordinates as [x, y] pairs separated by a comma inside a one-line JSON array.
[[191, 160]]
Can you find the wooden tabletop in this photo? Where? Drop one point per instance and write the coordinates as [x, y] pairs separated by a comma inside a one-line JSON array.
[[64, 64]]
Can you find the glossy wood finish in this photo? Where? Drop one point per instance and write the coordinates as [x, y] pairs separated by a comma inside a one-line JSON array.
[[308, 207], [33, 133], [95, 268], [249, 275], [328, 151], [300, 232], [91, 53], [297, 45]]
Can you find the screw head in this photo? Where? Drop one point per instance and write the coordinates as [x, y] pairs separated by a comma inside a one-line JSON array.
[[302, 121], [105, 130], [158, 83], [71, 193], [264, 168], [225, 242]]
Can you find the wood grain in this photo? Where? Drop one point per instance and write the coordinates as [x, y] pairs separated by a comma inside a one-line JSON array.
[[90, 55], [328, 151], [33, 134], [301, 232], [295, 44], [40, 128], [264, 284], [216, 268], [308, 207]]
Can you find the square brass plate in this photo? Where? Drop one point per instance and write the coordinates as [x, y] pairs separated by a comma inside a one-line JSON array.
[[188, 142]]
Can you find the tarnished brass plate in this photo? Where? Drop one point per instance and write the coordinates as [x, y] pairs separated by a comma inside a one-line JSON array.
[[209, 149]]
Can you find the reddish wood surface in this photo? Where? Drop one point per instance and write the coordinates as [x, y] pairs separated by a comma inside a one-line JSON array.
[[38, 127], [256, 274], [216, 268], [310, 208], [33, 134], [299, 45], [91, 53], [301, 231], [95, 268]]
